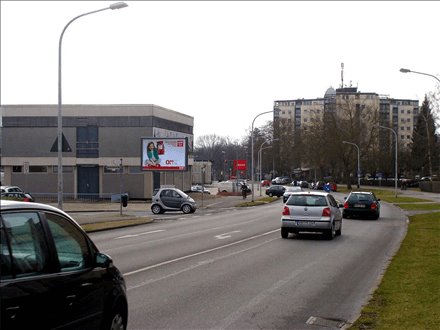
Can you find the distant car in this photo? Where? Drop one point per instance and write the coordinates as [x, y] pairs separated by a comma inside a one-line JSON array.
[[289, 191], [198, 188], [361, 204], [330, 186], [275, 190], [17, 196], [265, 183], [319, 185], [48, 263], [172, 199], [311, 212], [5, 189]]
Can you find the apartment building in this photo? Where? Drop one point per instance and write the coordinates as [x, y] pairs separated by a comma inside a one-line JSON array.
[[399, 114]]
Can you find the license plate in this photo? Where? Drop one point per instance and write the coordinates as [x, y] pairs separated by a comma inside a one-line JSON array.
[[359, 205], [300, 223]]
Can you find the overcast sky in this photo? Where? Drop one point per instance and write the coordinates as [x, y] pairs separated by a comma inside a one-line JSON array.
[[222, 62]]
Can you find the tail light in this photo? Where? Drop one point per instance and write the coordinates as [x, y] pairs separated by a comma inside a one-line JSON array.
[[326, 212], [346, 205], [286, 211], [373, 206], [26, 199]]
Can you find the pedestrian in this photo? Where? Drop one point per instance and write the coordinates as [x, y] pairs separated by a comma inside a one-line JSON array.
[[244, 190]]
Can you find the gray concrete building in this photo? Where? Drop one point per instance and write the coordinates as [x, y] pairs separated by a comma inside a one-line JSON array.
[[98, 140]]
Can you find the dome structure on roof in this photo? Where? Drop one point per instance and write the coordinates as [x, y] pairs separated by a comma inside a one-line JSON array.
[[330, 92]]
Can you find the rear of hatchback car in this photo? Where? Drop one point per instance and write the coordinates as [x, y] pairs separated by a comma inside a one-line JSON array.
[[311, 212], [52, 274], [362, 205]]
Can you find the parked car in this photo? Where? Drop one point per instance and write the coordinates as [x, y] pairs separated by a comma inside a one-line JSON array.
[[198, 188], [172, 199], [319, 185], [5, 189], [361, 204], [53, 275], [265, 183], [17, 196], [275, 190], [311, 212], [289, 191]]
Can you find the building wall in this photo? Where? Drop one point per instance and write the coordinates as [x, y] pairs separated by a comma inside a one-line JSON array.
[[29, 134]]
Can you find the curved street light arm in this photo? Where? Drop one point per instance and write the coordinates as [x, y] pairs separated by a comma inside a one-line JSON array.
[[425, 74]]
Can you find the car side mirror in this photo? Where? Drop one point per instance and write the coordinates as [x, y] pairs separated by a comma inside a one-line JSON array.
[[103, 260], [345, 197]]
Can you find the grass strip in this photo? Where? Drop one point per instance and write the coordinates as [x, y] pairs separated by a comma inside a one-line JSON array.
[[421, 206], [409, 294], [105, 225]]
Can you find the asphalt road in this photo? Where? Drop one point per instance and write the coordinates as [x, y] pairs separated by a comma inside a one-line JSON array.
[[232, 270]]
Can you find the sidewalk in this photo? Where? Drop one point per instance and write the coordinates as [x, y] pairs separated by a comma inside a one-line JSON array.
[[93, 212]]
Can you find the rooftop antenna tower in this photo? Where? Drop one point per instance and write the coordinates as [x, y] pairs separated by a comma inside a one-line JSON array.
[[342, 75]]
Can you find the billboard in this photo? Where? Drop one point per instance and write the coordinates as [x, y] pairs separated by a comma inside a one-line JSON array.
[[164, 154]]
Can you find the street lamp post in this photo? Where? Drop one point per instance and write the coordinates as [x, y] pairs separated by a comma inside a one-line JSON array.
[[425, 74], [260, 158], [359, 162], [395, 159], [252, 148], [117, 5]]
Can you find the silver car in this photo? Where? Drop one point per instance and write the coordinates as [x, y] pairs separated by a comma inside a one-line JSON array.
[[172, 199], [311, 212]]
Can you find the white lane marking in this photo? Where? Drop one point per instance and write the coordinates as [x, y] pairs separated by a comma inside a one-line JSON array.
[[200, 264], [140, 234], [226, 235], [199, 253]]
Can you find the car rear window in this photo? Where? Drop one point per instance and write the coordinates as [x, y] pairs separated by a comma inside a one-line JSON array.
[[360, 198], [307, 200]]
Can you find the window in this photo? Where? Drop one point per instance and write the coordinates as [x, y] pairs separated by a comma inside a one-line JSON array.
[[37, 169], [23, 248], [112, 169], [71, 245], [17, 169], [66, 169]]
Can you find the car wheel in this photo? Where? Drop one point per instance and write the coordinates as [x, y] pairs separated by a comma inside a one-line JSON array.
[[339, 231], [284, 233], [270, 194], [156, 209], [186, 209], [116, 321], [331, 233], [376, 217]]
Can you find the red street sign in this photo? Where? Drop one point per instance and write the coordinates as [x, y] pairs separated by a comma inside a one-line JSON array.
[[240, 165]]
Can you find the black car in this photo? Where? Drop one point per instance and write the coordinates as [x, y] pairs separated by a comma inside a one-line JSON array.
[[53, 275], [275, 190], [361, 204]]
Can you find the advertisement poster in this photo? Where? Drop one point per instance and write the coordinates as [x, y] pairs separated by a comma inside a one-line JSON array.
[[164, 154]]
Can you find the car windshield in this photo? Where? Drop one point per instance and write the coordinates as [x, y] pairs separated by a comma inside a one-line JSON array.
[[307, 200]]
